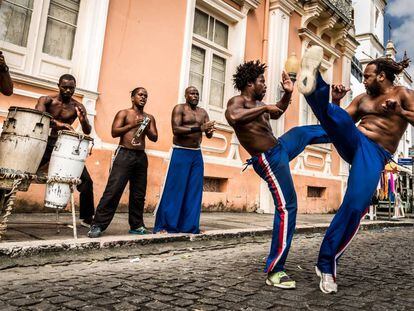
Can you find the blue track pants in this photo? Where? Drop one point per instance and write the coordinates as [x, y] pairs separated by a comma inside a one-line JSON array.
[[180, 203], [273, 167], [367, 160]]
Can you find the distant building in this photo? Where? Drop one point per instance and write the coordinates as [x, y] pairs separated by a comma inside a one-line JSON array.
[[369, 32]]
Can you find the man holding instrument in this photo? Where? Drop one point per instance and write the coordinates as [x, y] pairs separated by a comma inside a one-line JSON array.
[[64, 110], [130, 164], [6, 83]]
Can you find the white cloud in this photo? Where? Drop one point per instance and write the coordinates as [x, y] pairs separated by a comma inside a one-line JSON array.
[[403, 35], [400, 8]]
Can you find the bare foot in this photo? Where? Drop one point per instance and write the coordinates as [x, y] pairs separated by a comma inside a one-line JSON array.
[[162, 232]]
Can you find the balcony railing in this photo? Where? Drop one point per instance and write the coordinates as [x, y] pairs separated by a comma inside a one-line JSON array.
[[344, 7]]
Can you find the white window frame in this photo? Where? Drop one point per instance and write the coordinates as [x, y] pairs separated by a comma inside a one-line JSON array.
[[234, 54], [211, 48], [30, 61]]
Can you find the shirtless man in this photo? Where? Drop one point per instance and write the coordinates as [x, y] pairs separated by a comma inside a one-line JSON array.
[[130, 163], [250, 117], [179, 207], [64, 110], [6, 83], [384, 112]]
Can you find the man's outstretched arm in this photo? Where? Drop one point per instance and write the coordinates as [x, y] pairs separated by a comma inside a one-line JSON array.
[[406, 108], [287, 86], [237, 114]]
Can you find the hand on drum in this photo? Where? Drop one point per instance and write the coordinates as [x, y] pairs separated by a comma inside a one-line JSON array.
[[63, 126]]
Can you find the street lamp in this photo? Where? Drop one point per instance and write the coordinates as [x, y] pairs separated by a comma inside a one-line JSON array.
[[292, 66]]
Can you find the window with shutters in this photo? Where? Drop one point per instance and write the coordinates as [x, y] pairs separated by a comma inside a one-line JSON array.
[[39, 37], [209, 58]]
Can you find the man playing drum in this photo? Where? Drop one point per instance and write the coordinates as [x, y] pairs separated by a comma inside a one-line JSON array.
[[130, 164], [6, 83], [65, 110]]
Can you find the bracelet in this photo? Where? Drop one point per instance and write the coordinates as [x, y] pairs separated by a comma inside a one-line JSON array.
[[4, 68], [195, 129]]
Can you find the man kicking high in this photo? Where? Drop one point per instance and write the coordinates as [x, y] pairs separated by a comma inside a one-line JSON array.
[[384, 111], [249, 117]]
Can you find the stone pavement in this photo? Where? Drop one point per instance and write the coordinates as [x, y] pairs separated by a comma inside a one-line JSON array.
[[376, 273]]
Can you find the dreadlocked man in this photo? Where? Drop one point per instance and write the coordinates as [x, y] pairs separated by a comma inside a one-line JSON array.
[[250, 117], [384, 112]]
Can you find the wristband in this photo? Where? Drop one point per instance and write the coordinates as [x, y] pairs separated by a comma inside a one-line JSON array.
[[195, 129], [4, 68]]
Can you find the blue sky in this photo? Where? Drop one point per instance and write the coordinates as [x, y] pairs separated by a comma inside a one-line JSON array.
[[401, 15]]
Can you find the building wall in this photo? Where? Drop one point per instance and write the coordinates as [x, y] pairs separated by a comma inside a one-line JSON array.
[[148, 43]]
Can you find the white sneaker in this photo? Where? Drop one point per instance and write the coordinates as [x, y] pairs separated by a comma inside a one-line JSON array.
[[327, 283], [311, 61]]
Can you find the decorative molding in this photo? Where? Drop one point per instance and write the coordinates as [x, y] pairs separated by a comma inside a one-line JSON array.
[[343, 8], [234, 152], [308, 35], [327, 24], [223, 9], [302, 162], [25, 93], [316, 175], [312, 11], [216, 149], [373, 38], [247, 5], [48, 85], [284, 5]]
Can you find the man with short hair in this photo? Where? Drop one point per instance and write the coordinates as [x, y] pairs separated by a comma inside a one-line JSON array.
[[130, 164], [250, 117], [179, 207], [64, 110], [6, 83], [383, 113]]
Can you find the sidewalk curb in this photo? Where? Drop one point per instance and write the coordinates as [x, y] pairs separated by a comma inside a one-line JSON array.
[[33, 248]]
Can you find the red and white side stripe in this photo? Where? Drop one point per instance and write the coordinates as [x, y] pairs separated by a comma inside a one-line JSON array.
[[281, 207], [345, 245]]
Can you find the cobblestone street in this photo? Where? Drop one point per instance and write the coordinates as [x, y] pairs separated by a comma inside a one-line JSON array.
[[375, 274]]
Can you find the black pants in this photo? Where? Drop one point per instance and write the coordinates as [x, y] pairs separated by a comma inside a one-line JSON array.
[[86, 204], [129, 165]]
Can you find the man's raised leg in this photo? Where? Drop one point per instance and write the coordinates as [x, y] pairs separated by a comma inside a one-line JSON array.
[[296, 139]]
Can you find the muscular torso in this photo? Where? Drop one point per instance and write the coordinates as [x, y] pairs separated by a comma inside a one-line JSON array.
[[63, 112], [256, 136], [190, 118], [129, 119], [384, 127]]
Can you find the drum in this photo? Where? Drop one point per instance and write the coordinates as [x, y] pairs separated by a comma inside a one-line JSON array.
[[22, 143], [67, 161]]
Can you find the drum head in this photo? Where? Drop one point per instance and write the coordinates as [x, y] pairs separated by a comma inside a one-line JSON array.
[[75, 134], [15, 108]]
